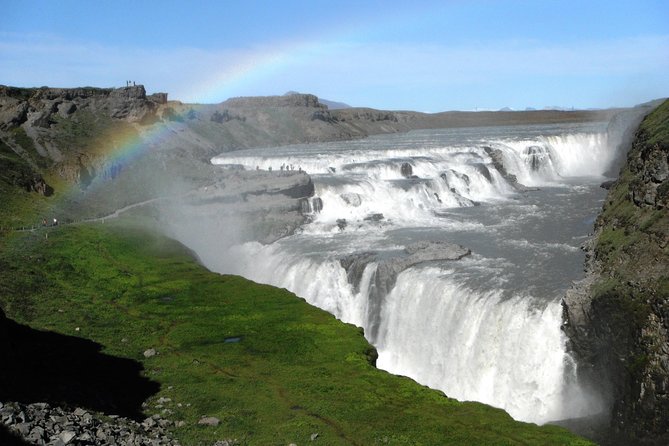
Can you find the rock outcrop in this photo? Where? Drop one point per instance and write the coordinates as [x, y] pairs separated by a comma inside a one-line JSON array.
[[620, 133], [617, 318], [44, 105], [71, 132], [16, 171], [497, 158]]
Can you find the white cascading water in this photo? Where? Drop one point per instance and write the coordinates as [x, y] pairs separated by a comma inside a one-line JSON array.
[[571, 155], [485, 328], [514, 352]]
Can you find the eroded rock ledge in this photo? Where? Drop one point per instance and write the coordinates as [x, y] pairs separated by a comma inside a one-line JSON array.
[[388, 267]]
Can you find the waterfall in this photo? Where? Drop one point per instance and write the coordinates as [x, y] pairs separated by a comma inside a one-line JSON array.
[[509, 350], [485, 328]]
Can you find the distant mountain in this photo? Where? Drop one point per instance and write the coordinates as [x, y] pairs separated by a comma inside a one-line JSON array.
[[332, 105]]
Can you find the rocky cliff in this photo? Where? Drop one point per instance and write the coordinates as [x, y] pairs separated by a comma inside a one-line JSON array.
[[63, 131], [617, 319]]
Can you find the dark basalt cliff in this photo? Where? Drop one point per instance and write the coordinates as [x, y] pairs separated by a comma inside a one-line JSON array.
[[618, 318]]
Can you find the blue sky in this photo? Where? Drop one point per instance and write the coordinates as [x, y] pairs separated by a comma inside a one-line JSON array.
[[416, 55]]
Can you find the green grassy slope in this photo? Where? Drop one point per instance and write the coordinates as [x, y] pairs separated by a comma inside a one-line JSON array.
[[295, 372]]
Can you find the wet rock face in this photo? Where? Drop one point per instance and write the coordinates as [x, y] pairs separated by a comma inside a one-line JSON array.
[[621, 131], [406, 170], [259, 205], [617, 318], [311, 205], [497, 158]]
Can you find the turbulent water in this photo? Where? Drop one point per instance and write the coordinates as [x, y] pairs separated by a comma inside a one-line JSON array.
[[486, 327]]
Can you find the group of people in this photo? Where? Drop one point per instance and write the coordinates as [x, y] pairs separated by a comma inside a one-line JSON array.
[[128, 84], [290, 167], [46, 223], [284, 167]]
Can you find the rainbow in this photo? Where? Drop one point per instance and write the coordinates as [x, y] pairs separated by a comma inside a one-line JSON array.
[[261, 64], [258, 66]]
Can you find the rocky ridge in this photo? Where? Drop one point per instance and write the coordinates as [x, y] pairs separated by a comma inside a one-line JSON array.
[[42, 106], [61, 130]]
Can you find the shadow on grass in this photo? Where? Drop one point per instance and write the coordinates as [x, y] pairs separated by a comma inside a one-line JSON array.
[[41, 366], [8, 438]]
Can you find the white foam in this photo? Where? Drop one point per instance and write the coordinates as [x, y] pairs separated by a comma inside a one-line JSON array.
[[479, 346]]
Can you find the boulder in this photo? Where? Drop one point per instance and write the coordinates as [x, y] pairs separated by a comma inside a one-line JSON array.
[[352, 199], [40, 423], [67, 436], [374, 217], [406, 170], [607, 184], [209, 421]]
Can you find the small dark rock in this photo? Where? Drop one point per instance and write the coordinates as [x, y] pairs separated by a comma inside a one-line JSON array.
[[607, 184]]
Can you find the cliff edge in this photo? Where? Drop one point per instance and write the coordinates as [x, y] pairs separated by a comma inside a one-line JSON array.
[[617, 318]]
